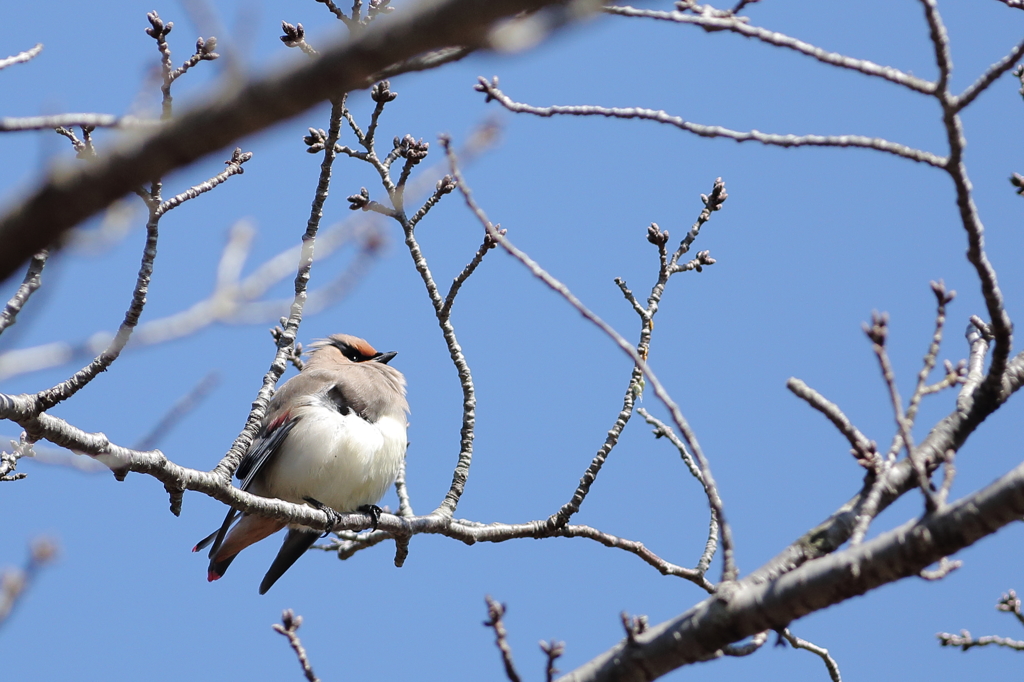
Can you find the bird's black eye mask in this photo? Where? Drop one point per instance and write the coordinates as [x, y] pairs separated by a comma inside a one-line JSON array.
[[351, 352], [354, 354]]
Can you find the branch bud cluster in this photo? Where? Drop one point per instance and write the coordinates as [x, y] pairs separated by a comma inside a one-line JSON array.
[[293, 36], [316, 141], [159, 29], [205, 49], [382, 92], [411, 149]]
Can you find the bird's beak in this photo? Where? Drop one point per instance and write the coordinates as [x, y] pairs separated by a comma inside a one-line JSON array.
[[385, 358]]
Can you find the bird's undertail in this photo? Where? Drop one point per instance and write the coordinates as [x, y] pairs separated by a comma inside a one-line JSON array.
[[227, 545], [295, 545]]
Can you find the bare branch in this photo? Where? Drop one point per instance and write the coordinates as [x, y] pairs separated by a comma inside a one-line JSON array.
[[943, 298], [1002, 327], [877, 334], [634, 388], [32, 281], [738, 25], [234, 167], [490, 88], [1009, 603], [232, 301], [478, 257], [10, 124], [661, 430], [944, 568], [988, 78], [965, 641], [553, 650], [495, 611], [21, 57], [863, 448], [821, 652], [739, 650], [753, 606], [288, 627]]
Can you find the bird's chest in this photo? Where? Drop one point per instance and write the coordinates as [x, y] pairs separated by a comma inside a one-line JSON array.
[[341, 460]]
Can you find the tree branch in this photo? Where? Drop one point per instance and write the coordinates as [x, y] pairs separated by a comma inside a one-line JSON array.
[[751, 607], [490, 88]]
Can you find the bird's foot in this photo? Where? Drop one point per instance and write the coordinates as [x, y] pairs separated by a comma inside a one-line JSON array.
[[333, 516], [374, 511]]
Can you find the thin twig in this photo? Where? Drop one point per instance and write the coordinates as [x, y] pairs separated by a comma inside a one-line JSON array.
[[863, 448], [233, 300], [414, 152], [740, 650], [737, 25], [877, 333], [457, 283], [830, 663], [943, 298], [965, 641], [234, 167], [661, 429], [288, 627], [553, 650], [989, 77], [10, 124], [1008, 603], [32, 281], [495, 611], [21, 57], [944, 568]]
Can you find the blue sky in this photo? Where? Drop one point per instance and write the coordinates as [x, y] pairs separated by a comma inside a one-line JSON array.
[[809, 242]]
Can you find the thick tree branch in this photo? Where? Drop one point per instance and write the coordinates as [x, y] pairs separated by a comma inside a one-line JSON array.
[[751, 607]]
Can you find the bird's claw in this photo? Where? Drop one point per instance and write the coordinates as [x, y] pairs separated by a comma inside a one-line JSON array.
[[333, 516], [374, 511]]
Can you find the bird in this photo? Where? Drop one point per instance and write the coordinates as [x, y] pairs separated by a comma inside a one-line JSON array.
[[334, 437]]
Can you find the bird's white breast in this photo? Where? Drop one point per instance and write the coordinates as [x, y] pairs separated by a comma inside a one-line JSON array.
[[340, 460]]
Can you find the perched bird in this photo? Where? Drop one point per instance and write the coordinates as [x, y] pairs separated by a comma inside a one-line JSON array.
[[334, 437]]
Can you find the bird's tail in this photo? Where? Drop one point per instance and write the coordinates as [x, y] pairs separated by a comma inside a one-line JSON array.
[[295, 545]]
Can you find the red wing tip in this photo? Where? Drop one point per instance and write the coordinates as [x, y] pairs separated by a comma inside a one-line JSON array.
[[211, 576], [196, 548]]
